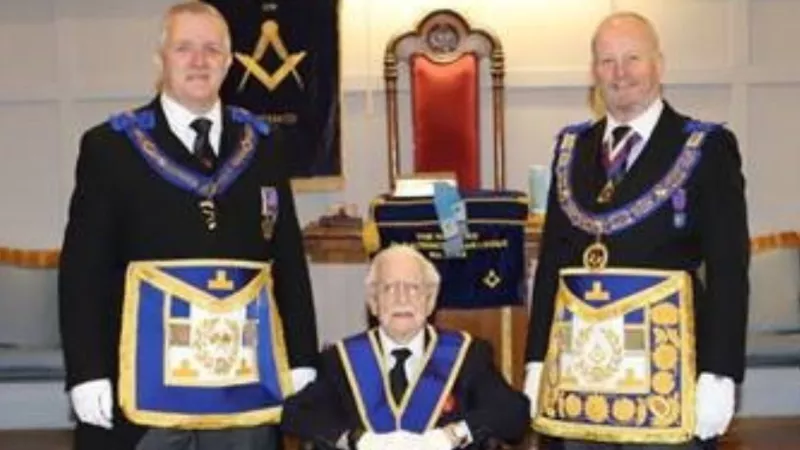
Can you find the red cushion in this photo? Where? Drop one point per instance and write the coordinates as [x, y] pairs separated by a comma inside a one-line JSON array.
[[444, 101]]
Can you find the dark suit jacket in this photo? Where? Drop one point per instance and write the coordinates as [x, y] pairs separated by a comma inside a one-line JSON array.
[[492, 409], [715, 234], [122, 211]]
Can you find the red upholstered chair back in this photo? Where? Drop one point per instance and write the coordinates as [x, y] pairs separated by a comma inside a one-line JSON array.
[[443, 55], [444, 59]]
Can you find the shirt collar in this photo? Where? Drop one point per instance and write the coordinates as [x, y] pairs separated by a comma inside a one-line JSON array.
[[179, 119], [416, 344], [181, 116], [643, 124]]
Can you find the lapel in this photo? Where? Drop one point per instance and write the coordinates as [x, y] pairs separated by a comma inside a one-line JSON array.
[[587, 173], [656, 158], [230, 133]]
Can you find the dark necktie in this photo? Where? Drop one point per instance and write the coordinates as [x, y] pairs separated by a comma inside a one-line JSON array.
[[397, 376], [618, 133], [202, 144], [615, 160]]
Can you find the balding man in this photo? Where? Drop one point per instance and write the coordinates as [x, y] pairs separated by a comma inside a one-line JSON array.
[[627, 347]]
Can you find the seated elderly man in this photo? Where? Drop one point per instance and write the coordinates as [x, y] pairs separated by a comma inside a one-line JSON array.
[[405, 384]]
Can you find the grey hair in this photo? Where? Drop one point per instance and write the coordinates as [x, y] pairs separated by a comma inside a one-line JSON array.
[[192, 7], [430, 276]]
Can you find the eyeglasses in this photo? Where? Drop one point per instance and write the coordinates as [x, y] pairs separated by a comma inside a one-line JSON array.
[[407, 288]]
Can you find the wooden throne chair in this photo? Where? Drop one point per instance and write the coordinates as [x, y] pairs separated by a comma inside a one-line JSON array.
[[443, 62]]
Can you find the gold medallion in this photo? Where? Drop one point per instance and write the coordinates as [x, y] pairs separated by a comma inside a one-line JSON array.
[[665, 314], [573, 405], [595, 257], [624, 410], [665, 357], [663, 382], [208, 209], [597, 408]]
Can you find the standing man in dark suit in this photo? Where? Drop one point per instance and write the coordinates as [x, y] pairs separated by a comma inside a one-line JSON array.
[[405, 384], [185, 302], [628, 346]]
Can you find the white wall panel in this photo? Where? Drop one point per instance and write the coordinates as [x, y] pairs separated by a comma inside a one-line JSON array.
[[112, 43], [533, 118], [774, 162], [712, 103], [694, 33], [545, 35], [29, 190], [28, 48], [774, 32]]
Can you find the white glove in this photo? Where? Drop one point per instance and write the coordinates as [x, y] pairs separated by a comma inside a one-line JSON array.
[[406, 440], [396, 440], [533, 375], [91, 401], [436, 439], [714, 405], [302, 376]]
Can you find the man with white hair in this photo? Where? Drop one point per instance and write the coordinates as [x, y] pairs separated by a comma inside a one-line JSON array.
[[406, 384]]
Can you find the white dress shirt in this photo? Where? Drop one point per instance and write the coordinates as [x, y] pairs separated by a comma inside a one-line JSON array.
[[180, 118], [643, 125], [416, 345]]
